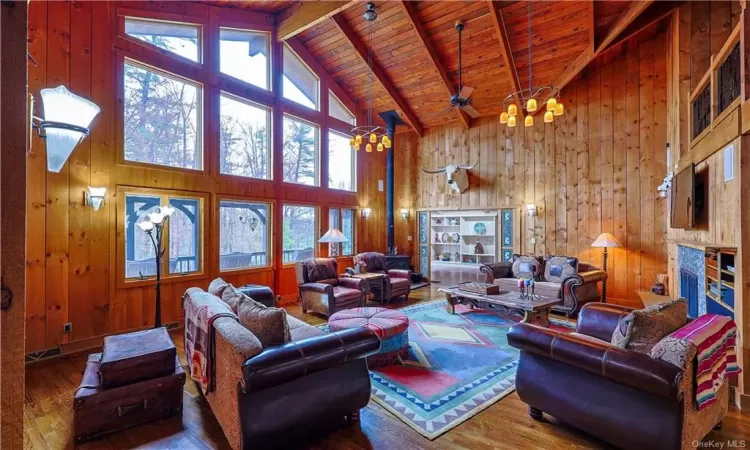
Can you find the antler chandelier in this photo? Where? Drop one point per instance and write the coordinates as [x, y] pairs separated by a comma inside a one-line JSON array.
[[370, 133], [526, 97]]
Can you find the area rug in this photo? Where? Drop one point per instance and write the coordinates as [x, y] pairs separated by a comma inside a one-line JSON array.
[[458, 365]]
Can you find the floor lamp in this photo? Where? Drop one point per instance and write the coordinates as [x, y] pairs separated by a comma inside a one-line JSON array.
[[605, 241]]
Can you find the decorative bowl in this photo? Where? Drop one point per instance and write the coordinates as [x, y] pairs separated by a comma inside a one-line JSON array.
[[480, 228]]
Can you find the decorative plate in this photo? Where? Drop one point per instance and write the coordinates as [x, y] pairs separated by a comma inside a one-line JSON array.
[[455, 238], [446, 238], [480, 228]]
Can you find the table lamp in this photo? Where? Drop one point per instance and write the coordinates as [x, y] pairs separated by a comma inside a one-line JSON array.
[[333, 236], [605, 241]]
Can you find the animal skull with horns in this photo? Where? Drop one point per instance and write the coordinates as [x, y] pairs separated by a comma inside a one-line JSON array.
[[456, 175]]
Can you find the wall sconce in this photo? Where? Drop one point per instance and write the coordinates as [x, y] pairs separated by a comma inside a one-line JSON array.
[[65, 124], [532, 210], [405, 213], [665, 185], [366, 212], [94, 197]]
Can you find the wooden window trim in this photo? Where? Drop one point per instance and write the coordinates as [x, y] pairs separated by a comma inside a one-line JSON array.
[[166, 278], [353, 166], [316, 227], [319, 106], [125, 13], [355, 212], [271, 259], [318, 144], [271, 60], [271, 131]]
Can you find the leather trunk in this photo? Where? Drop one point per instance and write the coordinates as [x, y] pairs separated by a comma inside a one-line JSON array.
[[133, 357], [98, 411]]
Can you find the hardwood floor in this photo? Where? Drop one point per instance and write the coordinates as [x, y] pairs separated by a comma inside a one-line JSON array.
[[50, 387]]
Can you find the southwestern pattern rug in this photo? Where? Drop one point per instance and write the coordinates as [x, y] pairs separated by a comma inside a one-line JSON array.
[[458, 365]]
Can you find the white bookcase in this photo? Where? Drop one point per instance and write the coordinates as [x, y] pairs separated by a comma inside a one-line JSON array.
[[469, 227]]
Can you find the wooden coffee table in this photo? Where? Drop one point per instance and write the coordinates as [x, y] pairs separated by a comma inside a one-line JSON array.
[[505, 303]]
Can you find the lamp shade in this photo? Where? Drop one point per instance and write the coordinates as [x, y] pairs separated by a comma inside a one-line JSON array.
[[606, 240], [66, 122], [333, 236], [96, 196]]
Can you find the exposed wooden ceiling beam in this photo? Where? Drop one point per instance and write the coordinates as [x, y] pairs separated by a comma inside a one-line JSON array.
[[657, 12], [300, 16], [623, 21], [378, 72], [434, 58], [502, 35]]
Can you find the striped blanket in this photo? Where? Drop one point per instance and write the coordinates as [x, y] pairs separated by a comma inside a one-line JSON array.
[[201, 310], [714, 337]]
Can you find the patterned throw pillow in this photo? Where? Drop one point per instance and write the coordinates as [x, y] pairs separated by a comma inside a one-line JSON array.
[[558, 268], [677, 352], [526, 266], [217, 287], [642, 329], [269, 325], [232, 297]]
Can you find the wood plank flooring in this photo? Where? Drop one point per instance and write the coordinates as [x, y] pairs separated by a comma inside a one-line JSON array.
[[50, 387]]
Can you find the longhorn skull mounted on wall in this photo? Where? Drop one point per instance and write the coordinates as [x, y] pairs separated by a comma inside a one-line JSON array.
[[456, 175]]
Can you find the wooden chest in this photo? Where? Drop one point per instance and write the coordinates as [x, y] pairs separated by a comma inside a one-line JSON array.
[[98, 411], [133, 357]]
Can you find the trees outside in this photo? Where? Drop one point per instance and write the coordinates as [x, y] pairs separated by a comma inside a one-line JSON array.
[[299, 228], [244, 139], [236, 232], [300, 152]]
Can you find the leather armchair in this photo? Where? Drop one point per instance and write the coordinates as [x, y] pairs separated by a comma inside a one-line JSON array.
[[574, 291], [625, 398], [398, 281], [321, 290]]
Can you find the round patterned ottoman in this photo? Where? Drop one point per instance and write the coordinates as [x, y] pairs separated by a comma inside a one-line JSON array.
[[391, 326]]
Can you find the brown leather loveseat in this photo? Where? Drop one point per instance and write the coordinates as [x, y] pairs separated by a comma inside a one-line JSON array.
[[623, 397]]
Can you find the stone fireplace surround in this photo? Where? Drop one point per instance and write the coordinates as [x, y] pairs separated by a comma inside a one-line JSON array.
[[693, 260]]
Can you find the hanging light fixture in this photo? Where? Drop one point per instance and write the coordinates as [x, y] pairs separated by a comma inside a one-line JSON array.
[[66, 123], [526, 98], [373, 135]]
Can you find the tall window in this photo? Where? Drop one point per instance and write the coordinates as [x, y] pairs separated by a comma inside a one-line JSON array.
[[182, 39], [245, 138], [301, 85], [341, 163], [244, 235], [162, 118], [337, 110], [343, 219], [244, 55], [183, 248], [300, 234], [301, 143]]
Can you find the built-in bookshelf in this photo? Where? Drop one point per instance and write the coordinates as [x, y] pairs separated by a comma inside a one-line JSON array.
[[454, 237], [720, 281]]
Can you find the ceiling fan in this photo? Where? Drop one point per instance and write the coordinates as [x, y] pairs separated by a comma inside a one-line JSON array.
[[462, 99]]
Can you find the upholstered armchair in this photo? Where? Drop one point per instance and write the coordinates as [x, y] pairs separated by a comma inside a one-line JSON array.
[[623, 397], [398, 281], [573, 282], [321, 290]]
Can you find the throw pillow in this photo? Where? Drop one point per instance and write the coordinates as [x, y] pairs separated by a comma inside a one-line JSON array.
[[217, 287], [231, 296], [269, 325], [642, 329], [558, 268], [526, 266], [677, 352]]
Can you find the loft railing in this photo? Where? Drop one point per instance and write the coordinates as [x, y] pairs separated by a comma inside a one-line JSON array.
[[702, 111], [728, 76]]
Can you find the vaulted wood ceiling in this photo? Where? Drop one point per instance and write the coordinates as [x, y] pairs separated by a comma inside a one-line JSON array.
[[415, 47]]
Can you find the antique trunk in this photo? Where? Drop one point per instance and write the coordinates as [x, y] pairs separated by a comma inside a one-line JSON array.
[[98, 411], [133, 357]]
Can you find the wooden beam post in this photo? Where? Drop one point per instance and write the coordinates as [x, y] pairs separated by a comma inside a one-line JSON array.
[[378, 72], [301, 16], [413, 18], [496, 18]]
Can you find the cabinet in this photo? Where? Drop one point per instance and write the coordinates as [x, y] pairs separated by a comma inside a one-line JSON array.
[[472, 237]]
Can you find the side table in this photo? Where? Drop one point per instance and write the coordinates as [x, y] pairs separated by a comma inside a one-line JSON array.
[[375, 281]]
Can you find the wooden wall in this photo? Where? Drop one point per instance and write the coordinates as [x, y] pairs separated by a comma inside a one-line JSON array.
[[593, 170], [72, 252]]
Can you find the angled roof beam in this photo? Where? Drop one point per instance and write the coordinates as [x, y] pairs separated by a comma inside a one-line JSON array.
[[502, 36], [379, 73], [301, 16], [626, 18], [434, 58]]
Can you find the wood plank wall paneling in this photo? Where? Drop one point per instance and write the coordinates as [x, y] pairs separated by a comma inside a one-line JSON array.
[[595, 169], [72, 253]]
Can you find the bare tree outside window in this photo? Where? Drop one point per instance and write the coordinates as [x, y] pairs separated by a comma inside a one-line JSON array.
[[300, 152], [341, 168], [244, 139], [161, 119], [243, 235], [299, 233]]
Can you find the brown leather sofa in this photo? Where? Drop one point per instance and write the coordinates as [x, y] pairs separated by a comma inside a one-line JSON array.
[[574, 289], [625, 398], [323, 291], [266, 397], [397, 282]]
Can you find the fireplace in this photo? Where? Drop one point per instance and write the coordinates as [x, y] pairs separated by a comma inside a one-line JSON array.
[[689, 290]]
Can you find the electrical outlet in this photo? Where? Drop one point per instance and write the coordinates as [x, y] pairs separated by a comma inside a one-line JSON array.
[[409, 239], [67, 328]]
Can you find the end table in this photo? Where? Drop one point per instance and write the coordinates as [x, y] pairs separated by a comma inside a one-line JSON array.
[[375, 281]]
